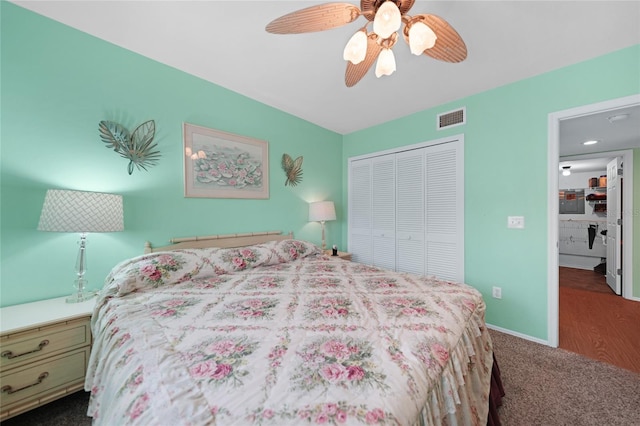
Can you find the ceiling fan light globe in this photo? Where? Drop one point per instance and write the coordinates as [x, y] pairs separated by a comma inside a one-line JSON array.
[[387, 20], [356, 49], [386, 64], [421, 38]]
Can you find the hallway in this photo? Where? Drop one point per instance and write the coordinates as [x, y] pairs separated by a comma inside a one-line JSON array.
[[595, 322]]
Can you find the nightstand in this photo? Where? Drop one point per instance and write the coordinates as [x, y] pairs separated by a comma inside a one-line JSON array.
[[44, 352], [341, 254]]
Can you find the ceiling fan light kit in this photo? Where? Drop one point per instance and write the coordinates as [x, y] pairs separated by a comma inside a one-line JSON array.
[[386, 64], [356, 49], [387, 19], [424, 33], [421, 38]]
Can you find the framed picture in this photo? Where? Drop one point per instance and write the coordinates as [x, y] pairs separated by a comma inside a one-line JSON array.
[[223, 165]]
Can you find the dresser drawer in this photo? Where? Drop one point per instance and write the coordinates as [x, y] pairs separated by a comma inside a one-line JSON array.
[[40, 379], [30, 346]]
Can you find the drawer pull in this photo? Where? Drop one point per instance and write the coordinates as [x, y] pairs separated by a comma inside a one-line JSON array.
[[10, 355], [9, 390]]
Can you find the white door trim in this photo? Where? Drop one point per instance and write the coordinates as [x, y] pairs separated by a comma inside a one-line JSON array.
[[553, 151]]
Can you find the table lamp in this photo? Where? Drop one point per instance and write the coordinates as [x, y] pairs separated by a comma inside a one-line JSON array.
[[322, 211], [83, 212]]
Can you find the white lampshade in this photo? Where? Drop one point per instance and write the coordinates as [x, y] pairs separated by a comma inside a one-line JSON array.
[[421, 37], [386, 64], [79, 211], [321, 211], [387, 20], [356, 49]]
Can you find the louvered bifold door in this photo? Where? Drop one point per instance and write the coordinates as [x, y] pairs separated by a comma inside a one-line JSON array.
[[360, 244], [410, 220], [444, 211], [383, 176]]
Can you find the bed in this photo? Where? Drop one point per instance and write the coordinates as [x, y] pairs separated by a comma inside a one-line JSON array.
[[265, 329]]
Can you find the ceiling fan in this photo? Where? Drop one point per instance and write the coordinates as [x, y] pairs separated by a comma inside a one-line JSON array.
[[424, 33]]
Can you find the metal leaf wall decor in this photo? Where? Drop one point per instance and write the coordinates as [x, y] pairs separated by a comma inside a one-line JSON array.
[[137, 147], [293, 169]]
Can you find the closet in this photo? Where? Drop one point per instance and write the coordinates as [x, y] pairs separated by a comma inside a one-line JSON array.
[[406, 209]]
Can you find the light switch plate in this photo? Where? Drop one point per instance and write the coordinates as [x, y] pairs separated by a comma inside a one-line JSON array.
[[516, 222]]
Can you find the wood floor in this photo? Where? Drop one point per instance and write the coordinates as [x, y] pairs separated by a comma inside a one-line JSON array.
[[595, 322]]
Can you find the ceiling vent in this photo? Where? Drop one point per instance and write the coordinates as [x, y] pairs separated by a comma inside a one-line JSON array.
[[452, 118]]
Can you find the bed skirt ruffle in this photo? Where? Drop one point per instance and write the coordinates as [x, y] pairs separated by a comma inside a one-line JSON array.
[[460, 397]]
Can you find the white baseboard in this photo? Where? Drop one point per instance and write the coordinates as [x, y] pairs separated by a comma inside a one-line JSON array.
[[516, 334]]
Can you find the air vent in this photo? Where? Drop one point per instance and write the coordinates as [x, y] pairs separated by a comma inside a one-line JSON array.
[[452, 118]]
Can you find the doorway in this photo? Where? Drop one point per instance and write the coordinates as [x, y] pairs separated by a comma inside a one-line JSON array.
[[589, 236], [554, 150]]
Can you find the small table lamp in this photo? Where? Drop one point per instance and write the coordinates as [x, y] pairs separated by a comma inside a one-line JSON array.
[[78, 211], [320, 212]]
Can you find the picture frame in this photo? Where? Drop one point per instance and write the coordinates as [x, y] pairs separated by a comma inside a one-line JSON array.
[[219, 164]]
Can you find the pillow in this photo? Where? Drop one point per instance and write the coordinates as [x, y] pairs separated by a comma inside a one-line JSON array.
[[174, 267], [154, 270], [270, 253], [296, 249], [241, 258]]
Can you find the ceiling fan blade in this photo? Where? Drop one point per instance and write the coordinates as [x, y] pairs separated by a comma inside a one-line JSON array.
[[449, 46], [355, 73], [314, 18]]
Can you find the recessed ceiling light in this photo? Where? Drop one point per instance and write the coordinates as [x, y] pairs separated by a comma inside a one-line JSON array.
[[617, 117], [592, 142]]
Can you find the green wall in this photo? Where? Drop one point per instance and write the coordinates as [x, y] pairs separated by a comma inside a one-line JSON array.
[[506, 170], [57, 84]]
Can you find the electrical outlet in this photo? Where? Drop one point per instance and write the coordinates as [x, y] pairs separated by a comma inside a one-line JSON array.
[[496, 292], [515, 222]]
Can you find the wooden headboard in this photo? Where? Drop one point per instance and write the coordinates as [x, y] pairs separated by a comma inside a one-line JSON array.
[[222, 241]]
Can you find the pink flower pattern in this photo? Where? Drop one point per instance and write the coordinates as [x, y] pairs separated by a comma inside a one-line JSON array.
[[329, 308], [138, 406], [208, 282], [336, 362], [323, 283], [240, 259], [377, 283], [264, 282], [175, 307], [328, 356], [157, 269], [221, 361], [339, 412], [432, 354], [254, 309], [407, 307]]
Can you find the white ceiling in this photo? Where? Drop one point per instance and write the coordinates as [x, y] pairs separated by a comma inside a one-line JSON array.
[[303, 74], [612, 135]]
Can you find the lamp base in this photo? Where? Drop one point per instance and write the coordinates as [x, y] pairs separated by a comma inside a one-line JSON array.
[[81, 297], [81, 294]]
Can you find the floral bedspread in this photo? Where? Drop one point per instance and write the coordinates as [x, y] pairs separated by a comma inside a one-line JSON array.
[[279, 333]]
